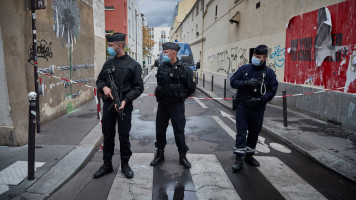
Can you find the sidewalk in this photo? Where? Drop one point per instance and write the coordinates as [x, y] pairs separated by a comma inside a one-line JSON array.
[[63, 147], [326, 144]]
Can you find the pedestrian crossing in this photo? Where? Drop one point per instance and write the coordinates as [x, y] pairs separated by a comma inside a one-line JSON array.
[[210, 179]]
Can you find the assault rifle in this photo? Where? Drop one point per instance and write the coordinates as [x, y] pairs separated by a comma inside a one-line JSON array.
[[115, 94]]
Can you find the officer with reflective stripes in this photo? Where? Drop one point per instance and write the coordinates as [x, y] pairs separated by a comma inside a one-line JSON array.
[[256, 84], [174, 85]]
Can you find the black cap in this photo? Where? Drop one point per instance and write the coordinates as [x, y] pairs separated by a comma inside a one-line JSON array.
[[116, 37], [171, 45], [261, 50]]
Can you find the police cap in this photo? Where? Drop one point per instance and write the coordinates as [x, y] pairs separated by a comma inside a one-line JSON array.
[[261, 50], [170, 45], [116, 37]]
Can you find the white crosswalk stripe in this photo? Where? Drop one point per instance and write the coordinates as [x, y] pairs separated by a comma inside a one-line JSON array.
[[210, 179], [285, 180], [139, 187]]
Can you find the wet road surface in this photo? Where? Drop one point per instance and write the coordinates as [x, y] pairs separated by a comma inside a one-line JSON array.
[[210, 129]]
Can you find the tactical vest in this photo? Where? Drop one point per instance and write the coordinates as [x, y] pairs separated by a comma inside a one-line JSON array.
[[171, 83]]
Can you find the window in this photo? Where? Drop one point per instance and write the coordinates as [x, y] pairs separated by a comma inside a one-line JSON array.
[[160, 47], [192, 15], [149, 60], [258, 5], [197, 9], [109, 7]]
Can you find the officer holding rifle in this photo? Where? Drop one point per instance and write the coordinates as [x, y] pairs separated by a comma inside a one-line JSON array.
[[120, 83]]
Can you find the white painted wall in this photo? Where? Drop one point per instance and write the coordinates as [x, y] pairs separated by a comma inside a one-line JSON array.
[[134, 36], [99, 33], [5, 117]]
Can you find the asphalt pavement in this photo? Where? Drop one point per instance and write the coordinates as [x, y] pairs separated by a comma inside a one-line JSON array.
[[327, 144], [64, 146]]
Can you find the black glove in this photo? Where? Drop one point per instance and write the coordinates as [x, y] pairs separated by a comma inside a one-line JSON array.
[[253, 102], [253, 82]]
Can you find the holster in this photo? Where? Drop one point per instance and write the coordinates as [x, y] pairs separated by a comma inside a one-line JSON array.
[[235, 102]]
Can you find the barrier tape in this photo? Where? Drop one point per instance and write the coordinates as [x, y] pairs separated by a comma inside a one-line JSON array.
[[199, 98]]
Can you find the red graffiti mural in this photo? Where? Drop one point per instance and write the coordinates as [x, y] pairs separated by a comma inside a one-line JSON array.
[[321, 47]]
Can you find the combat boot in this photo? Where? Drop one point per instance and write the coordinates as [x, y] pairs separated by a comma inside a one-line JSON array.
[[158, 158], [249, 159], [238, 164], [184, 161], [105, 169], [126, 169]]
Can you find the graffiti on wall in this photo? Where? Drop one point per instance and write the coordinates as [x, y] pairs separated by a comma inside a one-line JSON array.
[[66, 18], [231, 59], [320, 48], [277, 55], [43, 50]]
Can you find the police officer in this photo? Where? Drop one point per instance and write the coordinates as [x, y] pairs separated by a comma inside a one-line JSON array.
[[174, 85], [256, 84], [126, 73]]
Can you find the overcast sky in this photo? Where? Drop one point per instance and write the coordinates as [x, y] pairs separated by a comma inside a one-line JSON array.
[[157, 12]]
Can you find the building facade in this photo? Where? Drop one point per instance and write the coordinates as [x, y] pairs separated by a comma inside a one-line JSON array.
[[69, 45], [159, 35], [231, 29], [134, 32], [116, 16]]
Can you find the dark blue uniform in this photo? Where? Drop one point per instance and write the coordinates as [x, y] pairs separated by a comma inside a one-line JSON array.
[[174, 85], [250, 117]]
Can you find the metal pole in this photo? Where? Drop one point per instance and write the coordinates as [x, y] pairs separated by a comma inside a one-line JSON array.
[[31, 136], [197, 81], [224, 88], [284, 92], [212, 82], [34, 49], [203, 80]]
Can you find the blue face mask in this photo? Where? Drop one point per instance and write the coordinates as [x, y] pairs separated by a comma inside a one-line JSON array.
[[166, 59], [256, 61], [111, 51]]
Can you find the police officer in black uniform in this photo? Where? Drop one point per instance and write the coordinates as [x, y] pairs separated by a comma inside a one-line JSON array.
[[126, 73], [174, 85], [256, 84]]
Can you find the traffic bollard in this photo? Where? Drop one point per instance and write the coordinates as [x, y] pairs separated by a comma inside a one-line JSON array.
[[31, 136], [224, 88], [284, 93], [212, 82]]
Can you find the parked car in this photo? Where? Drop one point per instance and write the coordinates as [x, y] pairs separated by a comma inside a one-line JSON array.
[[185, 54]]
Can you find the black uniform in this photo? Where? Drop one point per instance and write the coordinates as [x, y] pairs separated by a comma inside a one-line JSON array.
[[127, 77], [174, 85], [249, 116]]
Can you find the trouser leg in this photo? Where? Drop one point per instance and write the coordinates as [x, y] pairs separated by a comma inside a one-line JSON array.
[[162, 118], [177, 114], [255, 126], [108, 129], [124, 127], [241, 126]]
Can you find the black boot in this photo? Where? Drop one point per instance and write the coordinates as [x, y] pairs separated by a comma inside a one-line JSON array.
[[126, 169], [251, 161], [184, 161], [105, 169], [158, 158], [238, 164]]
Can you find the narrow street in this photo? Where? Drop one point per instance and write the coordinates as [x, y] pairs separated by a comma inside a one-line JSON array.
[[283, 174]]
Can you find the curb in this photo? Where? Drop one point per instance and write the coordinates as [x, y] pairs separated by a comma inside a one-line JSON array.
[[65, 168], [311, 151]]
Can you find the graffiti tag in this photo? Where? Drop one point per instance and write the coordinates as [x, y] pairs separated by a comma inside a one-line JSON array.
[[43, 50], [278, 56]]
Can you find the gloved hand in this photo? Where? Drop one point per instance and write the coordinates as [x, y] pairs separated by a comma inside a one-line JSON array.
[[253, 102], [253, 82]]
